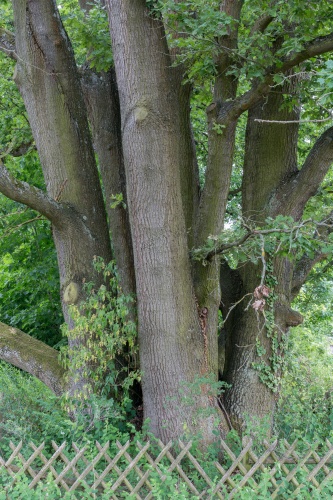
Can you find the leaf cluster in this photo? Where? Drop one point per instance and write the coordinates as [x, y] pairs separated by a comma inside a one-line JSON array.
[[89, 33], [106, 335], [279, 236]]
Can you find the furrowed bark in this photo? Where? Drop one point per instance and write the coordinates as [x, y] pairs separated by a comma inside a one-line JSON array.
[[270, 158], [213, 200], [49, 83], [170, 340], [101, 97], [32, 356]]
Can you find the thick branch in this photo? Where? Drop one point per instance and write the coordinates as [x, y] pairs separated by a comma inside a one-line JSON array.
[[32, 356], [305, 265], [233, 110], [302, 270], [7, 43], [292, 196], [22, 192], [261, 24], [315, 47]]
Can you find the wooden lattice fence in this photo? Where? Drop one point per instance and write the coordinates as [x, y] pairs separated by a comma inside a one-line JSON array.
[[134, 468]]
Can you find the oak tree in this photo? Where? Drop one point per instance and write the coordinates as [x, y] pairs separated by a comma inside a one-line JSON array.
[[141, 112]]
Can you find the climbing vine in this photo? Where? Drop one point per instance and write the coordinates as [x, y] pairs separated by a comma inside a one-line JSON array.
[[269, 372], [106, 355], [281, 237]]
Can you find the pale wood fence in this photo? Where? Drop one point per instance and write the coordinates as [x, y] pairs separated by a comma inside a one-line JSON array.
[[133, 469]]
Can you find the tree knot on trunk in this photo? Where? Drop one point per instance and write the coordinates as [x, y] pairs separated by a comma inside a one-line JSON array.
[[71, 293], [288, 316]]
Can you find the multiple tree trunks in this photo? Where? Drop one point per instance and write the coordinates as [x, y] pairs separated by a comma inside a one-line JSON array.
[[139, 119]]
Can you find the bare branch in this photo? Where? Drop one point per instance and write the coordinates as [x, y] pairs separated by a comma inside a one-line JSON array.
[[32, 356], [323, 228], [305, 265], [293, 195], [232, 110], [22, 192], [315, 47], [286, 122], [251, 234], [7, 43]]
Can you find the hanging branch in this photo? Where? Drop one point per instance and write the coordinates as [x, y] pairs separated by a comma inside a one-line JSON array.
[[253, 233]]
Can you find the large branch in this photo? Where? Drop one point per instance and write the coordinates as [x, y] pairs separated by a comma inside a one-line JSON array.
[[292, 196], [305, 265], [7, 43], [232, 110], [22, 192], [261, 24], [32, 356], [302, 270]]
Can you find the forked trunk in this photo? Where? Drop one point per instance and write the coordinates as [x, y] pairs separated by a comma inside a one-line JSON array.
[[47, 78], [256, 339]]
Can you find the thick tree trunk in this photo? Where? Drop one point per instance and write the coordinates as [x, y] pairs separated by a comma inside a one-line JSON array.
[[101, 97], [177, 327], [47, 78], [256, 339], [170, 339]]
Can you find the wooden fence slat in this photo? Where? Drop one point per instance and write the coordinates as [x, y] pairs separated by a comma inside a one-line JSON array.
[[300, 466], [322, 462], [280, 463], [255, 459], [27, 463], [199, 468], [8, 464], [311, 475], [112, 465], [88, 469], [47, 465], [97, 473], [15, 451], [137, 470], [175, 464], [237, 464], [154, 464], [128, 469], [70, 464], [253, 469], [317, 460], [86, 462]]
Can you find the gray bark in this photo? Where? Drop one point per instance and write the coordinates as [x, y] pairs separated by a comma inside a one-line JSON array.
[[101, 97], [32, 356], [48, 80], [170, 340]]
